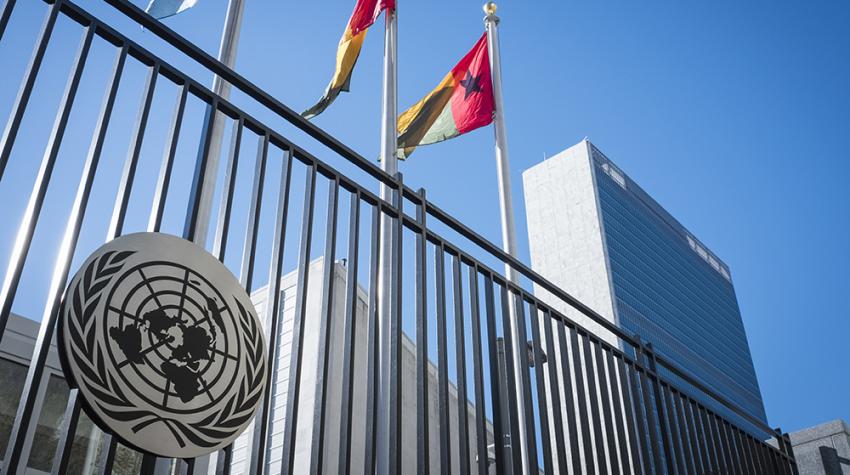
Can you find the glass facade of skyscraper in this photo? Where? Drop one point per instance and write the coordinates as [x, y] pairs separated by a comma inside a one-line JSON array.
[[672, 291]]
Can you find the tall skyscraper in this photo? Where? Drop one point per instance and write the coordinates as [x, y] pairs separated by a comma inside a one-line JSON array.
[[596, 234]]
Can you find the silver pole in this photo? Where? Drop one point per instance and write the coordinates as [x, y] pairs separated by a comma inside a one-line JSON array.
[[491, 24], [389, 163], [227, 55]]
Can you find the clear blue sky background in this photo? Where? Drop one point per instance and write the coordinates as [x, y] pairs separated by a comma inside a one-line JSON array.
[[735, 116]]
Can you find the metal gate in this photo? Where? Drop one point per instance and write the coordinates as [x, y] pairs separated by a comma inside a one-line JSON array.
[[589, 405]]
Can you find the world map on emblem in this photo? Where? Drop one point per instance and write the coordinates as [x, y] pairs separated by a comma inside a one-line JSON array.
[[164, 345]]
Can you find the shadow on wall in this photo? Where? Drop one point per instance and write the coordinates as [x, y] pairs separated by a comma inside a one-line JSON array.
[[833, 464]]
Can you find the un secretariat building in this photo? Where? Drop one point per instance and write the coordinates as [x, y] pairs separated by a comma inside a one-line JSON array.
[[595, 233]]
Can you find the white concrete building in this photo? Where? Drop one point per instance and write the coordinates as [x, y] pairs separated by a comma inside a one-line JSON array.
[[309, 372]]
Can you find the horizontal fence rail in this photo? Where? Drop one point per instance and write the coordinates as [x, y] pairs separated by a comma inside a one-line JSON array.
[[485, 374]]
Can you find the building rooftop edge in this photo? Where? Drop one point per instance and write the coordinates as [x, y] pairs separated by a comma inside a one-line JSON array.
[[820, 431], [646, 198]]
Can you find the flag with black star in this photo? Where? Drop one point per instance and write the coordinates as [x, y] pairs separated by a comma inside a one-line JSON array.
[[463, 101]]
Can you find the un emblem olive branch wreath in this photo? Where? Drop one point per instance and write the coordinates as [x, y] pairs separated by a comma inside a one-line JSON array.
[[88, 354]]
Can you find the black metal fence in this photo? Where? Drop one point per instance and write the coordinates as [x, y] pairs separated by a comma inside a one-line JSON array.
[[576, 404]]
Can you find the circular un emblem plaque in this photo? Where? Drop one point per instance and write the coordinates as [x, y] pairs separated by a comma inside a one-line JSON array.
[[163, 344]]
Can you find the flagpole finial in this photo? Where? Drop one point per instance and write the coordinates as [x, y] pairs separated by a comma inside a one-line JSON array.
[[490, 9]]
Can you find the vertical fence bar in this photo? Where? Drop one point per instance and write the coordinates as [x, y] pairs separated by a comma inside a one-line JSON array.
[[723, 443], [247, 262], [164, 179], [107, 454], [349, 335], [10, 133], [371, 346], [663, 426], [780, 452], [530, 435], [246, 266], [676, 452], [72, 411], [325, 326], [21, 427], [606, 408], [764, 457], [642, 416], [249, 246], [226, 206], [755, 447], [554, 394], [67, 429], [395, 329], [686, 434], [442, 358], [618, 412], [710, 445], [29, 221], [4, 16], [590, 372], [572, 422], [631, 413], [274, 316], [649, 411], [196, 191], [542, 406], [749, 456], [510, 389], [717, 442], [789, 452], [460, 354], [422, 423], [744, 443], [290, 435], [734, 448], [584, 421], [795, 470], [744, 448], [697, 436], [478, 377], [500, 439], [128, 174], [148, 465]]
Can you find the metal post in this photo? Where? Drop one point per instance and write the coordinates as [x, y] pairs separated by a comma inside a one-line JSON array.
[[215, 121], [506, 441], [491, 24], [389, 164], [226, 55]]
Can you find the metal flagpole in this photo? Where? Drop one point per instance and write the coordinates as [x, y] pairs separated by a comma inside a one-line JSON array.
[[389, 163], [227, 55], [491, 24]]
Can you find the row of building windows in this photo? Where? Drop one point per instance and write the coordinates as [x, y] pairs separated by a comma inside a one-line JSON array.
[[733, 365], [633, 320], [673, 307], [623, 207], [684, 282], [620, 179], [655, 269]]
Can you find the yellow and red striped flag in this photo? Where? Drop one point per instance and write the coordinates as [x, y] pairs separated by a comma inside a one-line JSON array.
[[364, 15]]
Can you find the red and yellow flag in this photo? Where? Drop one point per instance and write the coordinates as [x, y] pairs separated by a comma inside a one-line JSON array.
[[364, 15], [463, 101]]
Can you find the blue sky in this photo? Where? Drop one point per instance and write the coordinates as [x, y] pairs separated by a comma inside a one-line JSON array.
[[735, 116]]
